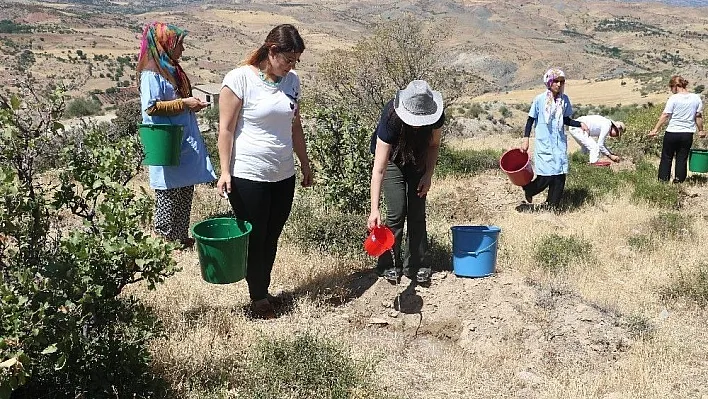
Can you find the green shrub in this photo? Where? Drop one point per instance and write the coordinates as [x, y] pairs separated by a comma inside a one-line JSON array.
[[316, 228], [647, 188], [692, 286], [307, 366], [474, 111], [68, 250], [82, 107], [339, 146], [465, 162], [556, 253], [634, 142], [592, 180]]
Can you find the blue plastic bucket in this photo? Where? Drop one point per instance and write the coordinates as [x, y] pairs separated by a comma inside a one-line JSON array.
[[474, 250]]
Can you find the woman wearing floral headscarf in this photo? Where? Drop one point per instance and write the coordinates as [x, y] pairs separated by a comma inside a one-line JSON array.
[[166, 98], [549, 112]]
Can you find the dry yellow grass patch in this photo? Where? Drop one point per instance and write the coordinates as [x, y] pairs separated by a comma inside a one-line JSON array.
[[607, 92]]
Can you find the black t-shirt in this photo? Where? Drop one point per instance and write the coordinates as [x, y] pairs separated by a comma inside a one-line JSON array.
[[408, 147]]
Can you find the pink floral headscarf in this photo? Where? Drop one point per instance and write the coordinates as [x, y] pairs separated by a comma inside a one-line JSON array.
[[554, 106]]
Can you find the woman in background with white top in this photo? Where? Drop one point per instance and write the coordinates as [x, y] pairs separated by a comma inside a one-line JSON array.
[[259, 128], [684, 111], [601, 128]]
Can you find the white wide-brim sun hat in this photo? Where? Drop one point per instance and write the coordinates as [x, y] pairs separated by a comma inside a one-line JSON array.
[[418, 105]]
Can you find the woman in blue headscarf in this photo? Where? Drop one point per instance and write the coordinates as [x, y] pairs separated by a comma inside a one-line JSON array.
[[549, 112]]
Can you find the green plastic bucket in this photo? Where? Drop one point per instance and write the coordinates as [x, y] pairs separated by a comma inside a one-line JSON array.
[[698, 161], [162, 144], [222, 246]]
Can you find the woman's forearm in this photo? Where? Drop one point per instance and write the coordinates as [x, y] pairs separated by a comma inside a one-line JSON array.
[[299, 145]]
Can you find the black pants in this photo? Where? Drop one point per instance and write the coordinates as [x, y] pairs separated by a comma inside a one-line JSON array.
[[403, 205], [267, 207], [675, 145], [554, 183]]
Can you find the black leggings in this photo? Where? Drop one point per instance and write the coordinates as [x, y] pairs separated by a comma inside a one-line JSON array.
[[266, 205], [555, 184], [675, 145]]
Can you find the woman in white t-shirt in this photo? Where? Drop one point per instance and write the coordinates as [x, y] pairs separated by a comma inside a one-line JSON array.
[[259, 128], [684, 111]]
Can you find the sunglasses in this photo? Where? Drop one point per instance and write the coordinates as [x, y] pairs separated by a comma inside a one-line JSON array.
[[291, 61]]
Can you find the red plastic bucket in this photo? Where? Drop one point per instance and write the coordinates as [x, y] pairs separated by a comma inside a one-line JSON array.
[[517, 165], [379, 241]]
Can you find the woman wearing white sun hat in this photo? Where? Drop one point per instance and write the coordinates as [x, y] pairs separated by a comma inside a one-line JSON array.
[[405, 147]]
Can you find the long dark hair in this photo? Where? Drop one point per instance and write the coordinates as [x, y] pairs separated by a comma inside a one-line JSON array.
[[412, 146], [284, 37]]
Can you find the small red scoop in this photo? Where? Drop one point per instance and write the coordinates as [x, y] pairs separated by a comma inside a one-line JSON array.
[[379, 241]]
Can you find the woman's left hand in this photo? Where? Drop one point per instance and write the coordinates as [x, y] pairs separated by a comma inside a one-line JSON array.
[[424, 185], [306, 175]]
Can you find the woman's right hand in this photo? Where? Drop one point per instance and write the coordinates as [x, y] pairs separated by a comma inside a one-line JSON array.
[[194, 104], [223, 186], [653, 133], [374, 220], [524, 144]]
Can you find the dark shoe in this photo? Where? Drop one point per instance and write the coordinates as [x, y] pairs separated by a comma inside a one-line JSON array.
[[423, 275], [263, 309], [391, 274], [187, 243]]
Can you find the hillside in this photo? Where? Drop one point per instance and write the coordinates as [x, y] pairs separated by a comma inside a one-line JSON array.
[[91, 44]]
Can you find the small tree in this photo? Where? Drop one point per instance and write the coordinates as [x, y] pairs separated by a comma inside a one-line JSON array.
[[339, 143], [70, 241], [397, 52], [348, 100]]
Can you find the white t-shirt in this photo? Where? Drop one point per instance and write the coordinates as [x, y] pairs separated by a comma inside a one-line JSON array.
[[683, 108], [599, 127], [263, 144]]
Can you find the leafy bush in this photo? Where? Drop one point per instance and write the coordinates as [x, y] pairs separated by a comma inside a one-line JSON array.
[[692, 286], [634, 142], [312, 227], [594, 182], [339, 145], [556, 253], [397, 52], [70, 243], [307, 366], [647, 188], [82, 107], [465, 162]]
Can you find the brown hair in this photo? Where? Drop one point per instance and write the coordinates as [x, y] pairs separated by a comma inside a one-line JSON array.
[[284, 37], [678, 81]]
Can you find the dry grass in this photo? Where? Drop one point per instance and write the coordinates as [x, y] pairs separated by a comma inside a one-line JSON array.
[[608, 92], [210, 333]]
